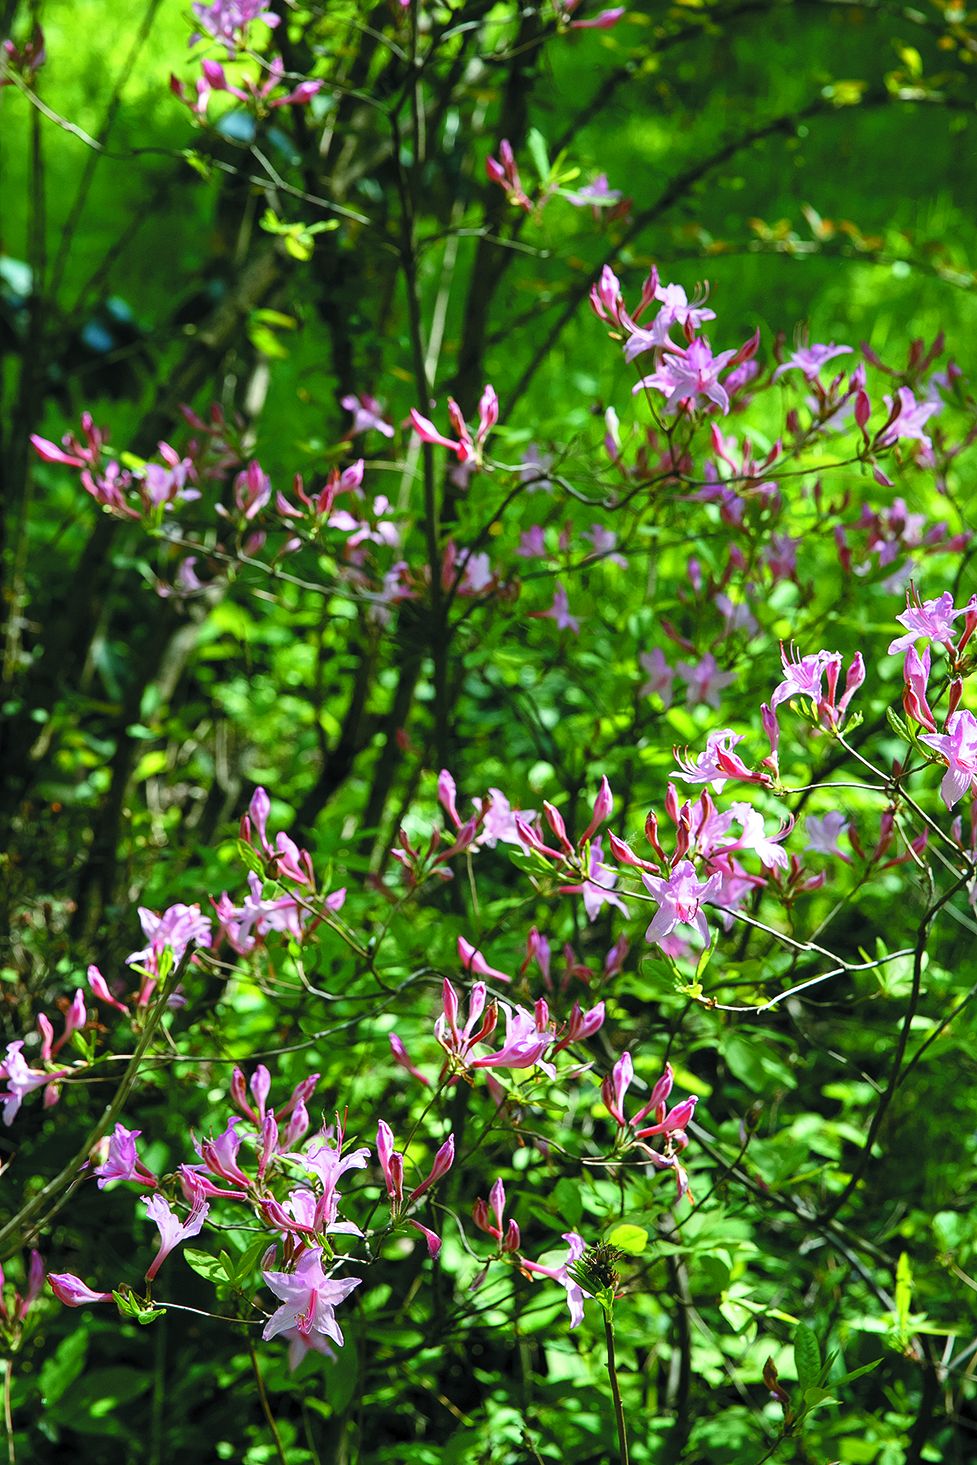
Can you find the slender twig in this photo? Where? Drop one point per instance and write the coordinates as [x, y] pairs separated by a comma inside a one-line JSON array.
[[265, 1405], [622, 1433]]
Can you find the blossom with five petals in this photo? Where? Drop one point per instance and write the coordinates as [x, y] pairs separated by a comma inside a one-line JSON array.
[[309, 1300]]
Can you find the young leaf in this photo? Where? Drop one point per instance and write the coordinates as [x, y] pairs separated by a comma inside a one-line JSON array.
[[807, 1356]]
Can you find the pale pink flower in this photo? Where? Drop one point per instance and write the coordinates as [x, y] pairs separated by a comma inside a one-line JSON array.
[[309, 1300], [171, 1229], [824, 831], [680, 899], [559, 612], [660, 676], [687, 374], [72, 1291], [704, 680], [122, 1161], [957, 746], [932, 619], [575, 1293], [810, 359], [367, 415]]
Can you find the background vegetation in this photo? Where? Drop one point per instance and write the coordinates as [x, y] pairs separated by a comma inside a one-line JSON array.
[[813, 162]]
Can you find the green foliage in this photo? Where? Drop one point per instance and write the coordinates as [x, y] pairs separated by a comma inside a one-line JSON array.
[[816, 1302]]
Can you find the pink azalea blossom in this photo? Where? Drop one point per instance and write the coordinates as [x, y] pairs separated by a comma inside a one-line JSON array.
[[932, 619], [704, 680], [526, 1040], [490, 1218], [309, 1300], [72, 1291], [503, 171], [824, 831], [575, 1293], [595, 195], [122, 1161], [559, 612], [21, 1079], [228, 20], [400, 1055], [177, 928], [367, 415], [466, 448], [907, 418], [687, 374], [660, 676], [443, 1161], [680, 899], [916, 670], [957, 746], [717, 762], [810, 359], [171, 1229], [604, 21], [498, 820]]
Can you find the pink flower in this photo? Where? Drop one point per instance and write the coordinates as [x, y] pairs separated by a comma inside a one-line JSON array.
[[660, 676], [400, 1056], [602, 22], [474, 962], [171, 1229], [704, 680], [177, 928], [916, 670], [525, 1041], [559, 612], [716, 763], [803, 677], [499, 820], [810, 359], [443, 1161], [503, 171], [679, 900], [824, 833], [931, 618], [228, 20], [490, 1218], [686, 374], [309, 1300], [329, 1164], [754, 837], [957, 746], [72, 1291], [22, 1079], [392, 1165], [122, 1162], [367, 416], [907, 418], [465, 448], [575, 1294], [596, 195], [606, 299]]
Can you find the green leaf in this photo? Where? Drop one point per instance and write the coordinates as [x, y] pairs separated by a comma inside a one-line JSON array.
[[249, 857], [904, 1291], [205, 1265], [59, 1371], [632, 1239], [807, 1356], [855, 1373], [130, 1307], [536, 143]]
